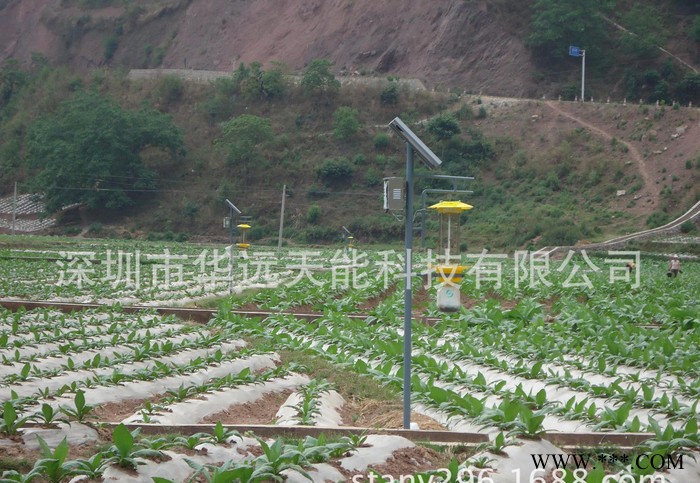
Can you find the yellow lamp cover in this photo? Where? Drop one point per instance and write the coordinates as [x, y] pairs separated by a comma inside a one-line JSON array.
[[243, 226], [453, 273], [451, 207]]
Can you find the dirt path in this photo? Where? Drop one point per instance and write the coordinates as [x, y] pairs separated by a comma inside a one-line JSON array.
[[649, 185]]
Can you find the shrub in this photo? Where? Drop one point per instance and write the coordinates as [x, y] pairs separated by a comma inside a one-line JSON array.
[[110, 44], [390, 94], [313, 214], [563, 234], [373, 177], [359, 159], [381, 140], [335, 171], [347, 123], [688, 227], [318, 234], [95, 228], [190, 209], [170, 89], [465, 113], [657, 219]]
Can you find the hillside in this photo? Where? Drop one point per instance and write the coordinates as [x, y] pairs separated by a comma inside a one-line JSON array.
[[476, 46], [548, 171]]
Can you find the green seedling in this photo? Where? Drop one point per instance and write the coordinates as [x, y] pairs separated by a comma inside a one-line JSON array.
[[11, 423], [222, 435], [53, 464], [49, 416], [81, 410], [92, 467], [125, 452]]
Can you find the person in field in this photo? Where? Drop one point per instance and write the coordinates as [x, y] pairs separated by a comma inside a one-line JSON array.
[[674, 266]]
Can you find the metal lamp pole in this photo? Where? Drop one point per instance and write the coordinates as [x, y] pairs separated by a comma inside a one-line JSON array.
[[583, 75], [407, 343], [230, 255]]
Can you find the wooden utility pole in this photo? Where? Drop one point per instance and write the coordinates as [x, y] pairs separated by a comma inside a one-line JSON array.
[[14, 209], [279, 239]]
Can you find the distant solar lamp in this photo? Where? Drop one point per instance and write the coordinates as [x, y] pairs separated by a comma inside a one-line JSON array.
[[449, 271], [243, 243]]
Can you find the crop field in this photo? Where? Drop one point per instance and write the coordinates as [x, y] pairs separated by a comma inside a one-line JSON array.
[[548, 361]]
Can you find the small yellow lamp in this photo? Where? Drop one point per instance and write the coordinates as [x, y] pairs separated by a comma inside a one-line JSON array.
[[449, 274], [243, 244]]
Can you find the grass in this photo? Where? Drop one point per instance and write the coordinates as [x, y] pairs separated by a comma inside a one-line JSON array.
[[350, 384], [16, 464], [215, 302]]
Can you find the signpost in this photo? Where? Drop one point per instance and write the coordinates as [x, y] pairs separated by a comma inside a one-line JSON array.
[[234, 213], [578, 52]]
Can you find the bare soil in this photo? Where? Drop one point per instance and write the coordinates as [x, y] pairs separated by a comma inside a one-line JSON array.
[[261, 411], [373, 302], [117, 411], [406, 461], [442, 42]]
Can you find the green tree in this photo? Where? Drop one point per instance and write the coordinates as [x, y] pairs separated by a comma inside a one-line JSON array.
[[257, 83], [318, 78], [346, 123], [12, 79], [695, 29], [689, 88], [645, 32], [245, 135], [89, 151], [444, 126], [390, 94], [556, 24]]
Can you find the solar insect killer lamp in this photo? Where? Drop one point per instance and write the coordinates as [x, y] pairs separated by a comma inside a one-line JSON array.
[[243, 244], [449, 272]]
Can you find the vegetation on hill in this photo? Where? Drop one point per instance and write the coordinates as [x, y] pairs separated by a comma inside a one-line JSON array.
[[539, 180], [89, 152]]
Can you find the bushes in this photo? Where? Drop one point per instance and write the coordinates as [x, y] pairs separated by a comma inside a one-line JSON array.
[[313, 214], [390, 94], [688, 227], [318, 234], [347, 123], [444, 126], [657, 219], [170, 89], [381, 140], [335, 171], [561, 234]]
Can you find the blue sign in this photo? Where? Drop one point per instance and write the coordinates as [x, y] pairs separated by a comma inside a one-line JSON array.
[[575, 51]]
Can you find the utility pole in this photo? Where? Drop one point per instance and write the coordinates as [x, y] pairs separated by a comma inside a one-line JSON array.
[[279, 239], [14, 209], [583, 74], [575, 51]]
